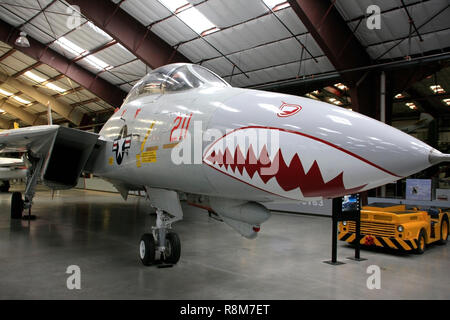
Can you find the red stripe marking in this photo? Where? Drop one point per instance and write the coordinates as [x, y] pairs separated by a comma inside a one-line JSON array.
[[313, 138]]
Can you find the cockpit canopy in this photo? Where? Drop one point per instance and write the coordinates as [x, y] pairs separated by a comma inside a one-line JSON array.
[[175, 78]]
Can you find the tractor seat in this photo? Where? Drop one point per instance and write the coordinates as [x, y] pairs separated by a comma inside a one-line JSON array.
[[433, 213]]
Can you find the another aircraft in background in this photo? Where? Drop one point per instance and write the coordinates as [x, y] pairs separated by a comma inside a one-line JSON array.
[[423, 122], [184, 133]]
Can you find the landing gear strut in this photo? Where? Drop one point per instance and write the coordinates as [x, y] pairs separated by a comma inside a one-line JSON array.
[[162, 246], [17, 204]]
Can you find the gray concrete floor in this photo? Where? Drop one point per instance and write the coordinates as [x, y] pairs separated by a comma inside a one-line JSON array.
[[100, 232]]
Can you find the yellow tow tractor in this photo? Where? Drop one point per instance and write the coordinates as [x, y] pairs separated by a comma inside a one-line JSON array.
[[398, 227]]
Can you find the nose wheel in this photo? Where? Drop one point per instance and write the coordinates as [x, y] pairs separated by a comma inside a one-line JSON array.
[[17, 205], [162, 247]]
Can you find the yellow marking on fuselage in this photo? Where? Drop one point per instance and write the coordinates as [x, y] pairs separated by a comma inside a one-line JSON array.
[[141, 155], [170, 145], [153, 148], [147, 135]]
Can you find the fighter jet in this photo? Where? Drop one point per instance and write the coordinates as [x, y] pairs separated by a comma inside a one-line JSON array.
[[183, 133], [11, 168]]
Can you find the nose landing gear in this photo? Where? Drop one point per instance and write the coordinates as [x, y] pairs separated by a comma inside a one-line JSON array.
[[18, 205], [162, 246]]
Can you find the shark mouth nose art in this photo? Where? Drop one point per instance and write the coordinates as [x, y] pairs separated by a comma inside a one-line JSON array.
[[305, 167]]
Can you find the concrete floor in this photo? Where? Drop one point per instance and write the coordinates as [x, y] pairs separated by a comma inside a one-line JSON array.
[[100, 232]]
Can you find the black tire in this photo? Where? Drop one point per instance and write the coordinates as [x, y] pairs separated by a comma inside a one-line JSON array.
[[5, 186], [173, 248], [444, 237], [421, 242], [16, 205], [147, 249]]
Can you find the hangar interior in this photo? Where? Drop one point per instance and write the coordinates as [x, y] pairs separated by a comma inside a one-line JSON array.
[[72, 62]]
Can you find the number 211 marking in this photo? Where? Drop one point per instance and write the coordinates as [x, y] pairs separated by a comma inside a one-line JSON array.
[[184, 121]]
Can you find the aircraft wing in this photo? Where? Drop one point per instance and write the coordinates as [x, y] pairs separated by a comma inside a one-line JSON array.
[[11, 162], [59, 153], [35, 139]]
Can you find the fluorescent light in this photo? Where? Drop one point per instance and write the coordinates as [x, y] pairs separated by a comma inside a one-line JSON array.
[[21, 100], [276, 5], [437, 89], [54, 87], [173, 5], [34, 76], [309, 95], [70, 46], [335, 101], [341, 86], [411, 105], [196, 20], [5, 93], [78, 51], [190, 16], [446, 101], [97, 63]]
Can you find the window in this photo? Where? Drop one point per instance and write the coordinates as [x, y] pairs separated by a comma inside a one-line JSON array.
[[209, 77], [175, 78]]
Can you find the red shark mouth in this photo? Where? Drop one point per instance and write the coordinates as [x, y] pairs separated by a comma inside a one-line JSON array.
[[289, 176]]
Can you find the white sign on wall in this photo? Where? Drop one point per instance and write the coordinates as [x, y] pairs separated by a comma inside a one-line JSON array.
[[443, 194], [418, 189]]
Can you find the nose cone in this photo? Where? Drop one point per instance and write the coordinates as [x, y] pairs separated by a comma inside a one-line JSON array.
[[438, 157], [323, 150]]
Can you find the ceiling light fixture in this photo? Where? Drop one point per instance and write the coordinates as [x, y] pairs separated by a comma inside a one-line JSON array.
[[5, 93], [34, 76], [21, 100], [437, 89], [341, 86], [411, 105], [22, 40]]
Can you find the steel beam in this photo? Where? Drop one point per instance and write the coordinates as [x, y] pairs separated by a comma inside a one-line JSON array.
[[331, 33], [40, 52], [25, 116], [5, 124], [129, 32], [59, 107], [344, 51]]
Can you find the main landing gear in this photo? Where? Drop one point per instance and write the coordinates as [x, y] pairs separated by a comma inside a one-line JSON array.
[[18, 205], [162, 246]]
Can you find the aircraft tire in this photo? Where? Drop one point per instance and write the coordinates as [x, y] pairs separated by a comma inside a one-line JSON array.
[[5, 186], [421, 242], [173, 248], [16, 205], [147, 249], [444, 231]]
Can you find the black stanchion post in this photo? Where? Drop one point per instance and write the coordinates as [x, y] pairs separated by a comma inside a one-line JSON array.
[[357, 219], [336, 211]]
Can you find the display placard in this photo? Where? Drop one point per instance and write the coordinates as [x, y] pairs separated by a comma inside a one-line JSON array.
[[418, 189]]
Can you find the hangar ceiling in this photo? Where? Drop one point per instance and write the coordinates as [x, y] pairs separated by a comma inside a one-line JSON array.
[[248, 43]]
